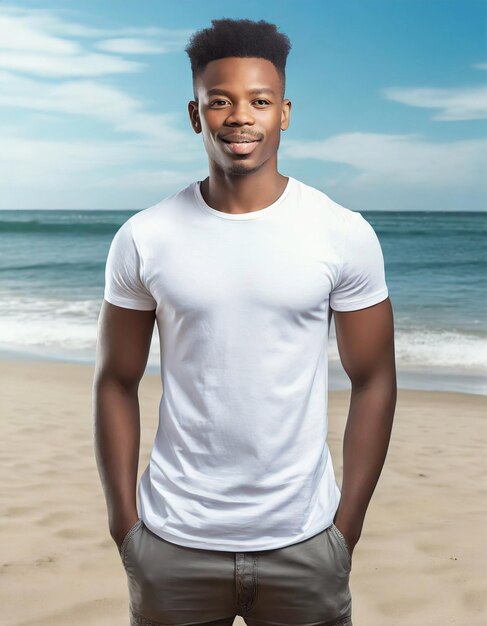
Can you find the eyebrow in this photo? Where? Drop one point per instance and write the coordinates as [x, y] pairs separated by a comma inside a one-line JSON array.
[[216, 90]]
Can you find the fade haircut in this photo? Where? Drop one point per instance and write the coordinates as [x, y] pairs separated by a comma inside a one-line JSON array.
[[238, 38]]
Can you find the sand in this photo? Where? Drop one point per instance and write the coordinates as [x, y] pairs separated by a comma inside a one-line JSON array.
[[421, 559]]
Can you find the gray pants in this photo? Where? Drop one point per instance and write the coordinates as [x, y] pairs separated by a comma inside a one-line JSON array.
[[304, 584]]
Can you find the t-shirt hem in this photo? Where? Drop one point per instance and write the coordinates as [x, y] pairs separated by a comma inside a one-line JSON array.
[[362, 303], [234, 547], [127, 303]]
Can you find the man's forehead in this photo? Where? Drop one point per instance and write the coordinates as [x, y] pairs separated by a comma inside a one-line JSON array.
[[232, 75]]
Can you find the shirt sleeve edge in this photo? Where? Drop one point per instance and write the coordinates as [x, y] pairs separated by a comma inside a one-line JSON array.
[[362, 303], [129, 303]]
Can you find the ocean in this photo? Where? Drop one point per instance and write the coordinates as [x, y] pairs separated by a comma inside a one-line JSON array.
[[52, 277]]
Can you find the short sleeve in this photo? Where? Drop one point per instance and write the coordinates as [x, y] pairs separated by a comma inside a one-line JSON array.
[[361, 282], [124, 285]]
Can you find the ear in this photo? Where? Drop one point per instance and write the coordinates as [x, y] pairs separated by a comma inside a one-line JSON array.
[[285, 114], [194, 116]]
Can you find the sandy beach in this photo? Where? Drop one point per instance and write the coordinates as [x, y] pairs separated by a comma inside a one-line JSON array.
[[421, 558]]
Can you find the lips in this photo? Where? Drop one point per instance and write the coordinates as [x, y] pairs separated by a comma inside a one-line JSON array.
[[239, 144]]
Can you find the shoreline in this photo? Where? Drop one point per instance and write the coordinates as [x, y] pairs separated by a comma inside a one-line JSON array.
[[424, 378]]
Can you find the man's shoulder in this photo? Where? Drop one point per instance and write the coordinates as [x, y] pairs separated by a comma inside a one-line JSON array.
[[146, 219], [319, 202]]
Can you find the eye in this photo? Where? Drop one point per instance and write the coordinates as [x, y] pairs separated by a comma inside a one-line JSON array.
[[224, 101]]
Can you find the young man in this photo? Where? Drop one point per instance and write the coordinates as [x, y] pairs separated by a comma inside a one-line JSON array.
[[239, 510]]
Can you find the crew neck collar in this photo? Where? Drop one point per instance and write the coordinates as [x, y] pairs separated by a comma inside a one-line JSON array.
[[249, 215]]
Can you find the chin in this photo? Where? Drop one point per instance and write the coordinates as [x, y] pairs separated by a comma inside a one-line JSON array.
[[240, 169]]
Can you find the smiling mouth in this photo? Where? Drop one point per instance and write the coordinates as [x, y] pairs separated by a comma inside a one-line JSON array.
[[241, 141], [245, 146]]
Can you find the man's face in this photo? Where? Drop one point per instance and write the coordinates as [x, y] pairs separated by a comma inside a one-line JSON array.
[[240, 112]]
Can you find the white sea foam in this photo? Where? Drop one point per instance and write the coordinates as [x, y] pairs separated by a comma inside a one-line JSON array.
[[68, 330], [435, 348]]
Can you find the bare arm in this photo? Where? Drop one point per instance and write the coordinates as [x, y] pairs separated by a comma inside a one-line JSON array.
[[124, 337], [365, 341]]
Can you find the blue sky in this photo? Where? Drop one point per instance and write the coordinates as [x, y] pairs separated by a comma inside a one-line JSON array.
[[389, 101]]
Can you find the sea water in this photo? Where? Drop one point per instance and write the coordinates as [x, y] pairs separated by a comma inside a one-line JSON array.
[[52, 278]]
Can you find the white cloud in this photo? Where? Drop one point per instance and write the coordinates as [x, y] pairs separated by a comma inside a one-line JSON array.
[[92, 99], [46, 24], [20, 34], [56, 66], [50, 70], [42, 162], [153, 179], [39, 42], [126, 45], [72, 174], [461, 103], [32, 46], [401, 159]]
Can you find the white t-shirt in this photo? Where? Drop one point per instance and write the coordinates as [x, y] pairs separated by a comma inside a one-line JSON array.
[[240, 460]]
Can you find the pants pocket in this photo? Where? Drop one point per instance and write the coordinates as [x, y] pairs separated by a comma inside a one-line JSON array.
[[343, 543], [128, 537]]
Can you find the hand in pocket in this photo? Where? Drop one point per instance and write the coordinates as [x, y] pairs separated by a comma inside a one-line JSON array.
[[122, 528]]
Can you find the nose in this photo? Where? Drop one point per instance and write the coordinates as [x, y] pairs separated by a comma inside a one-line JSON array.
[[240, 115]]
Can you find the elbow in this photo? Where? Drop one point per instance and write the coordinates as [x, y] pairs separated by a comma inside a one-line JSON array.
[[105, 378], [383, 382]]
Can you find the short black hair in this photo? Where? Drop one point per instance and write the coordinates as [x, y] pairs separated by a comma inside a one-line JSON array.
[[238, 38]]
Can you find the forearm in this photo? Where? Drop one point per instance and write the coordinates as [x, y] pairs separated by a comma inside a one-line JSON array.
[[365, 445], [117, 442]]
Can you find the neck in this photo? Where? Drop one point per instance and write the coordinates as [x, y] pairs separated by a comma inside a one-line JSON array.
[[242, 193]]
